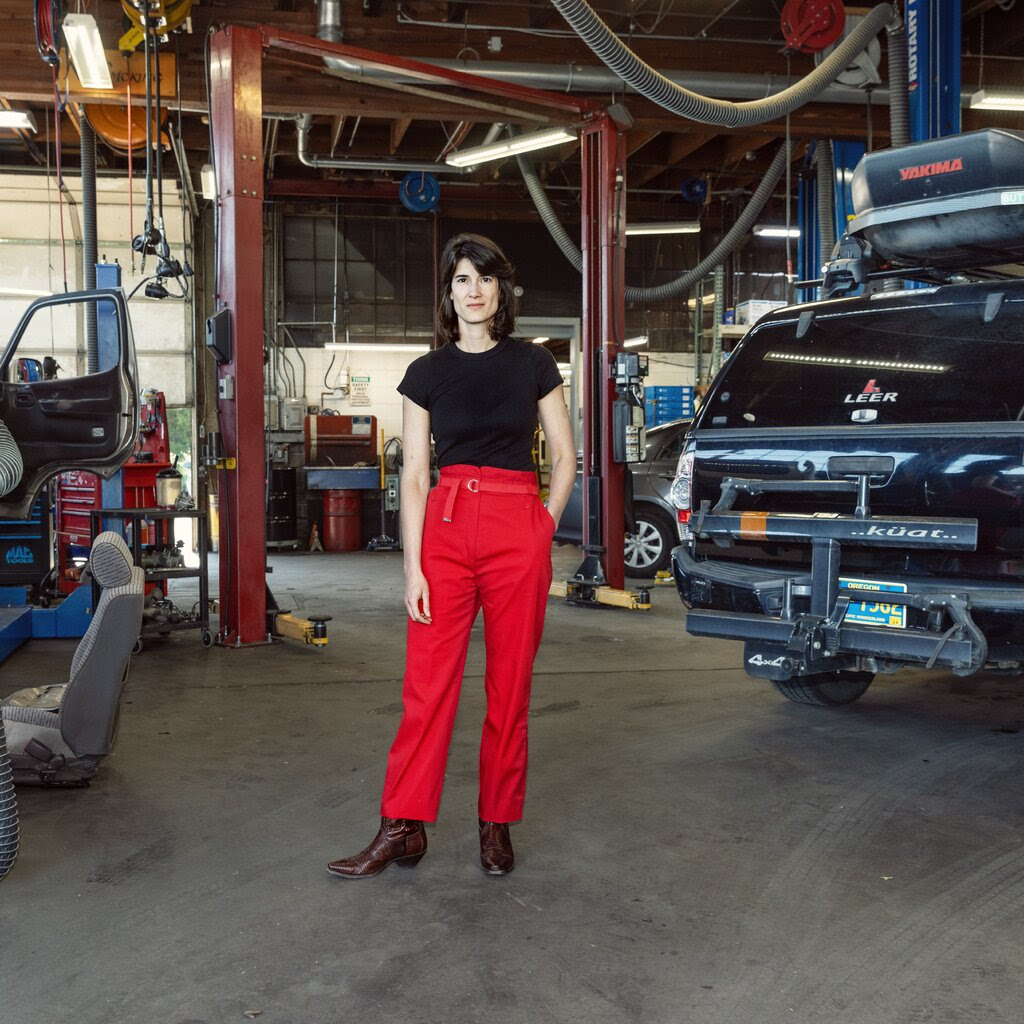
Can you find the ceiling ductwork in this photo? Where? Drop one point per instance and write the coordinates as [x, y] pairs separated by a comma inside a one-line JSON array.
[[660, 90], [577, 78]]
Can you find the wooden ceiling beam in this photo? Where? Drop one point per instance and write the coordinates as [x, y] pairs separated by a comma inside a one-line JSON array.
[[679, 147], [398, 129]]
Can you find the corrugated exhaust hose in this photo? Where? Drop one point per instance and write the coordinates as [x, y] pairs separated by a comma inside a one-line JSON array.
[[681, 285], [8, 809], [612, 52]]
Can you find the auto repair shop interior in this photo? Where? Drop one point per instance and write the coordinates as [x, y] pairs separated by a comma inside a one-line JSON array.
[[220, 233]]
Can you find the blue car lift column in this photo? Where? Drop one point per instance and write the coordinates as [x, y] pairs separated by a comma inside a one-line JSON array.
[[933, 67]]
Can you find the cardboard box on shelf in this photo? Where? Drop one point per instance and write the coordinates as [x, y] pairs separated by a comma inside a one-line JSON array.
[[752, 310]]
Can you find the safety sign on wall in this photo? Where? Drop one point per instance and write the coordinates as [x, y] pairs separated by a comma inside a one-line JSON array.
[[359, 390]]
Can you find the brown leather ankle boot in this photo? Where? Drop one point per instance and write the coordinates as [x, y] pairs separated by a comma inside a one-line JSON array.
[[400, 840], [496, 856]]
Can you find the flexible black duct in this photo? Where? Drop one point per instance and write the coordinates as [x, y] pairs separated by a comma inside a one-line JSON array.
[[825, 168], [8, 810], [899, 98], [570, 249], [681, 285], [89, 244], [899, 104], [658, 89]]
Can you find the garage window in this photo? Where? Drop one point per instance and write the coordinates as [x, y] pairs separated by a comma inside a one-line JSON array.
[[360, 279]]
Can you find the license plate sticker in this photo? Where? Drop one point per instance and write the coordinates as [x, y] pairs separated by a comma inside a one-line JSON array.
[[876, 611]]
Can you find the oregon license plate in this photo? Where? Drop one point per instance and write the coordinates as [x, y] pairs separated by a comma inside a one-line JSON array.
[[879, 609]]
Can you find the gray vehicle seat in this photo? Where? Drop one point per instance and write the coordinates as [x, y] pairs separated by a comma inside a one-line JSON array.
[[11, 466], [58, 734]]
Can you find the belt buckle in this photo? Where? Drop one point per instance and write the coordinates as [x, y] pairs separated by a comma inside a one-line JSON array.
[[473, 486]]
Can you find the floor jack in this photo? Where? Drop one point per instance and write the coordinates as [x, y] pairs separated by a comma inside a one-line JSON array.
[[281, 623], [588, 589]]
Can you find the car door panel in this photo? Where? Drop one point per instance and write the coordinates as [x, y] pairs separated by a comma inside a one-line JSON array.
[[85, 422]]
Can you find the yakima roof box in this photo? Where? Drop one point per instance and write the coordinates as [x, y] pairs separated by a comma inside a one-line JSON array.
[[951, 203]]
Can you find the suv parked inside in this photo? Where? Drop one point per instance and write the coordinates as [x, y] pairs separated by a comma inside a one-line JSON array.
[[851, 495]]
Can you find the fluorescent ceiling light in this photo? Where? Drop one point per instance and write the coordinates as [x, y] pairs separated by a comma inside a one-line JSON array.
[[20, 119], [670, 227], [707, 300], [509, 147], [635, 342], [372, 346], [775, 231], [86, 48], [541, 340], [984, 99]]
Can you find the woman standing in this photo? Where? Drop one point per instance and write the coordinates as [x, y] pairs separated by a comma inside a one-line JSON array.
[[480, 539]]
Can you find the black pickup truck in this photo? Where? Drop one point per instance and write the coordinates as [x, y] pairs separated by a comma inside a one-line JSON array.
[[851, 495]]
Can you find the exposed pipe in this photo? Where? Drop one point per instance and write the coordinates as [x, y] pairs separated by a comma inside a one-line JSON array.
[[573, 77], [579, 78], [304, 121], [89, 246], [657, 88], [328, 20]]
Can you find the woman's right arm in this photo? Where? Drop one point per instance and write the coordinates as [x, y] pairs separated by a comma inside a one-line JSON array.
[[415, 487]]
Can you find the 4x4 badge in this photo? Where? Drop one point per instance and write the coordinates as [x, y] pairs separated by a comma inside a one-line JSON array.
[[871, 393]]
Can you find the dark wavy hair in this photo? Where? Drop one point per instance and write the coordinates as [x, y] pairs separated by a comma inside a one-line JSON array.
[[488, 258]]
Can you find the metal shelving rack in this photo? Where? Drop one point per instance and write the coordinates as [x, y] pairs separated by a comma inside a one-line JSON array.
[[201, 621]]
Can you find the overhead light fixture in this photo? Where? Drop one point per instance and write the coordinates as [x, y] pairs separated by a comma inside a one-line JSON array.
[[82, 35], [985, 99], [372, 346], [208, 180], [509, 147], [776, 231], [541, 339], [635, 342], [22, 120], [671, 227]]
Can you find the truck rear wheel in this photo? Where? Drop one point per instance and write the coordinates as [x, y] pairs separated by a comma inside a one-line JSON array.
[[825, 689]]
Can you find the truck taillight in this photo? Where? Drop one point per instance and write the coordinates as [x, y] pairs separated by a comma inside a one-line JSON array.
[[681, 491]]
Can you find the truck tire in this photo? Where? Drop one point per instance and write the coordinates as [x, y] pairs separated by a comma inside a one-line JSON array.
[[825, 689], [649, 549]]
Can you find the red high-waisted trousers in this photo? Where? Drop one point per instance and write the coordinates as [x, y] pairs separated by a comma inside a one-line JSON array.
[[486, 543]]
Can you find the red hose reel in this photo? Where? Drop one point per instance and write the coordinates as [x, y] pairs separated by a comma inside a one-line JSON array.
[[812, 25]]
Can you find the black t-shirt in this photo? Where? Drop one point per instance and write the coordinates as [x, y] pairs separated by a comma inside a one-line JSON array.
[[483, 406]]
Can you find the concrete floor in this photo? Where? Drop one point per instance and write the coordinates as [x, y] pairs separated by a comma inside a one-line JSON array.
[[696, 850]]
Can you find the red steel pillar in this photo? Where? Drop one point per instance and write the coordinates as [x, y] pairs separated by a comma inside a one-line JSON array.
[[236, 119], [603, 204]]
